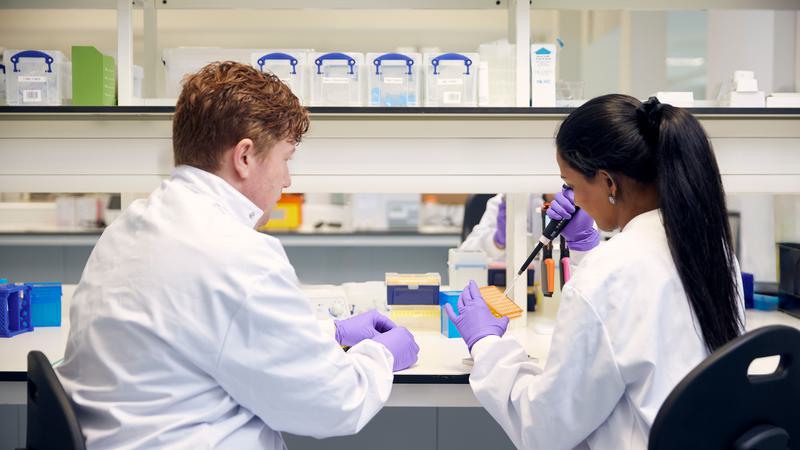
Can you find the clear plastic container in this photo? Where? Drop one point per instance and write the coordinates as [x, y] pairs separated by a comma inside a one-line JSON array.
[[451, 79], [179, 62], [417, 317], [289, 65], [336, 79], [394, 79], [36, 77], [2, 84], [498, 87]]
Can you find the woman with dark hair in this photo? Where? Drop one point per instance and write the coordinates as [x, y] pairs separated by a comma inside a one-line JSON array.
[[642, 309]]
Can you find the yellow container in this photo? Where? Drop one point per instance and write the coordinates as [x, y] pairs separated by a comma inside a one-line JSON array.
[[416, 317], [287, 214]]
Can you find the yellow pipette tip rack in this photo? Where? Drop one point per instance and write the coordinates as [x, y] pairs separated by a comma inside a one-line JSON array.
[[499, 304]]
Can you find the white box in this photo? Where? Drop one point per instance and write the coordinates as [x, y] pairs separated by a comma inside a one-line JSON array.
[[337, 79], [182, 61], [37, 77], [380, 212], [676, 98], [543, 75], [451, 79], [747, 99], [747, 85], [394, 79], [290, 65], [466, 265], [784, 100]]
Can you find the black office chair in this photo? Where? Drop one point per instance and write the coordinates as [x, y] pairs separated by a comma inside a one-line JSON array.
[[719, 406], [474, 207], [52, 423]]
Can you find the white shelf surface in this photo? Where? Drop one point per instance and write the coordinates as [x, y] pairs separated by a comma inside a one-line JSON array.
[[412, 4], [81, 239], [363, 152]]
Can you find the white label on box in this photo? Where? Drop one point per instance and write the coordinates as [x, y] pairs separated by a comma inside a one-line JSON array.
[[543, 75], [451, 98], [335, 80], [31, 96], [392, 80], [449, 81], [31, 79]]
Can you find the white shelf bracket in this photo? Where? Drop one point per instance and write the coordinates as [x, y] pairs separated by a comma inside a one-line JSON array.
[[125, 52], [517, 249], [519, 33]]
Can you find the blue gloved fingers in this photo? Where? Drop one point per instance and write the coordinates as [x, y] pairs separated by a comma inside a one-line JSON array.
[[552, 214], [562, 207], [570, 195], [450, 313], [474, 292], [383, 323]]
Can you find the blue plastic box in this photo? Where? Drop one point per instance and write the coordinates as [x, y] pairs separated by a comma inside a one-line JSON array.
[[45, 304], [447, 328], [15, 310], [747, 287], [412, 295]]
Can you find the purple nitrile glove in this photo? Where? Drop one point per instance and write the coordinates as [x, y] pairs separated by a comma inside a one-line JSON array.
[[500, 232], [350, 332], [401, 343], [474, 320], [579, 232]]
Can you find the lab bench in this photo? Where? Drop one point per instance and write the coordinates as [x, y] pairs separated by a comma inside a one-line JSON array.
[[438, 379]]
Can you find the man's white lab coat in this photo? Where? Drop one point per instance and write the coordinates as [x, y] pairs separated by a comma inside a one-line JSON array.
[[625, 336], [188, 331]]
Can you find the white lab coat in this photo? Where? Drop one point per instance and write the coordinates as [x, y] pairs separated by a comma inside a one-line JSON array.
[[189, 331], [482, 235], [624, 337]]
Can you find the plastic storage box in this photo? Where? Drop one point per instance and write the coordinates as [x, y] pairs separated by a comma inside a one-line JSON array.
[[45, 300], [451, 79], [288, 65], [35, 77], [179, 62], [447, 328], [466, 265], [94, 77], [15, 310], [336, 79], [287, 214], [394, 79], [2, 84], [413, 289]]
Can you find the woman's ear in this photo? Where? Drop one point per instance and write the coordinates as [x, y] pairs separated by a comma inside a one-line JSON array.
[[608, 180]]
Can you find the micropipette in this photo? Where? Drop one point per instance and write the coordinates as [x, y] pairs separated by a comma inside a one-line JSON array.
[[552, 231]]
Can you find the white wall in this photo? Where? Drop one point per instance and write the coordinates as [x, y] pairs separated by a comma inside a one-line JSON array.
[[762, 41]]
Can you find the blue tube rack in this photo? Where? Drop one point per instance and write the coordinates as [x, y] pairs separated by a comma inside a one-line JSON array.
[[15, 310]]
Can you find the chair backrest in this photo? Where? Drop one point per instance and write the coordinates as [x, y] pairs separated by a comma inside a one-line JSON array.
[[52, 422], [474, 207], [719, 406]]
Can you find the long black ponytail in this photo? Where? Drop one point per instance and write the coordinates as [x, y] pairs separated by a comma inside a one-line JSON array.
[[665, 146]]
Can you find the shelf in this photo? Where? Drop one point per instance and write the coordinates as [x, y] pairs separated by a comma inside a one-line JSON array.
[[386, 150], [83, 239], [414, 4], [365, 111]]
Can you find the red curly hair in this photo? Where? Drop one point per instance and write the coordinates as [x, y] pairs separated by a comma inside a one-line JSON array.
[[226, 102]]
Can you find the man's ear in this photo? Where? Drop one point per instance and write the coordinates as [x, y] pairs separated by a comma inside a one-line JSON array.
[[243, 157]]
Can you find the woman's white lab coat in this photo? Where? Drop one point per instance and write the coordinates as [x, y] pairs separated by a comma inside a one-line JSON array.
[[624, 337], [188, 330], [482, 235]]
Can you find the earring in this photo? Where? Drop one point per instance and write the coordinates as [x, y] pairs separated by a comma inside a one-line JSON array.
[[612, 200]]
